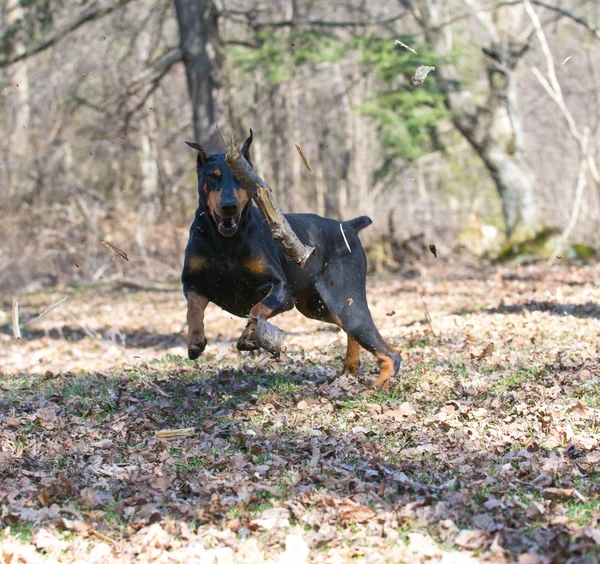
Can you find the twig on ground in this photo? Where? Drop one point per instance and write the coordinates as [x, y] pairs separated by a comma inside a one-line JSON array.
[[62, 301], [150, 384], [427, 316], [172, 434], [14, 314]]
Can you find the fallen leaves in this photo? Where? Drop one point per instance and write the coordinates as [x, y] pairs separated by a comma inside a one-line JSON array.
[[486, 447]]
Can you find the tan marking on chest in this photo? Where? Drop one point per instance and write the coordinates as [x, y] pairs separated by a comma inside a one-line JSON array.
[[196, 263], [256, 265]]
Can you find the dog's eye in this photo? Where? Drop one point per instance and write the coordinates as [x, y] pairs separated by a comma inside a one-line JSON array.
[[215, 174]]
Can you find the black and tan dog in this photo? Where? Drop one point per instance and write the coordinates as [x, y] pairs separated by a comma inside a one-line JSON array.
[[232, 260]]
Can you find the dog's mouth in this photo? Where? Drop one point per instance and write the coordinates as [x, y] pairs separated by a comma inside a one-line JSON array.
[[227, 226]]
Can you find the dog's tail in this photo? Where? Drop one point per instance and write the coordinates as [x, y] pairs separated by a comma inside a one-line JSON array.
[[359, 223]]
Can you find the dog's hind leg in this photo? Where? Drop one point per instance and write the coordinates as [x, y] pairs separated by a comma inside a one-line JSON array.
[[310, 304], [346, 300]]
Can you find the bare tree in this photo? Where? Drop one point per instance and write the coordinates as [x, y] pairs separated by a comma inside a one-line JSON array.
[[493, 128]]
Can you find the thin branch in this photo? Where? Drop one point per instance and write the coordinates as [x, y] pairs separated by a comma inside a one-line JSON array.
[[595, 31], [62, 32], [14, 315], [327, 23], [45, 312], [554, 90], [579, 190]]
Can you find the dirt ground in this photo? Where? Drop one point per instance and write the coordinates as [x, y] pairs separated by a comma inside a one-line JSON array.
[[485, 448]]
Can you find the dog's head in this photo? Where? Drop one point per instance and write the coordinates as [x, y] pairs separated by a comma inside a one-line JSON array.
[[220, 191]]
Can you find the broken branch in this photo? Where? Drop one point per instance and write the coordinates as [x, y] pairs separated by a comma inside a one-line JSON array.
[[262, 194], [15, 319], [267, 336], [171, 434]]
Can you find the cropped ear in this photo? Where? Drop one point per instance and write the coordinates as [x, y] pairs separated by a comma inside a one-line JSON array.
[[202, 154], [246, 148]]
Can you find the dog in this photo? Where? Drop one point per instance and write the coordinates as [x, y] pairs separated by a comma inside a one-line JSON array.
[[232, 260]]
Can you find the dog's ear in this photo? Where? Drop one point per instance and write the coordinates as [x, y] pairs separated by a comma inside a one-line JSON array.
[[202, 154], [246, 149]]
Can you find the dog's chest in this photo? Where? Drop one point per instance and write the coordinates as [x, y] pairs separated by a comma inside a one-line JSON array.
[[236, 285]]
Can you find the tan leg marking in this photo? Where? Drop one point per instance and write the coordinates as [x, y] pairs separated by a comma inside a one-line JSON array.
[[196, 339], [261, 309], [385, 372], [352, 362]]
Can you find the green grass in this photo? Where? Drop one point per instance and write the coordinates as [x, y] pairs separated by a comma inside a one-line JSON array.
[[21, 531], [87, 397]]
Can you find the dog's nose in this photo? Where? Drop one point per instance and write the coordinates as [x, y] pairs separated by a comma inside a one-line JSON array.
[[229, 207]]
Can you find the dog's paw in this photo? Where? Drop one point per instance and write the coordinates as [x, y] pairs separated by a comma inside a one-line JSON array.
[[246, 344], [196, 348]]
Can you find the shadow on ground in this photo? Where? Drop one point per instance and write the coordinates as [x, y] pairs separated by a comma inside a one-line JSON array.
[[280, 446]]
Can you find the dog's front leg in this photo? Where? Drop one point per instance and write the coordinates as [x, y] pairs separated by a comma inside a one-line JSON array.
[[279, 299], [196, 340]]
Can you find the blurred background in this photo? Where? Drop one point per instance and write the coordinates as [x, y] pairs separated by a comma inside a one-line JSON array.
[[495, 157]]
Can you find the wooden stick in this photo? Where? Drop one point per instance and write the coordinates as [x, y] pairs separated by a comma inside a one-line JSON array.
[[267, 336], [150, 384], [171, 434], [427, 316], [262, 194], [15, 319], [45, 311]]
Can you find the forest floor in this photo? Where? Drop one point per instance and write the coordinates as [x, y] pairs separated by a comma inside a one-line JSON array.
[[485, 448]]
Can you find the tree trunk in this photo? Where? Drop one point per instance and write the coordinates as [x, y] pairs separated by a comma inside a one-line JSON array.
[[19, 109], [149, 151], [203, 58], [493, 129]]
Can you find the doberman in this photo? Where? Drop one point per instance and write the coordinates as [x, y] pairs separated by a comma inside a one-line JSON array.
[[232, 260]]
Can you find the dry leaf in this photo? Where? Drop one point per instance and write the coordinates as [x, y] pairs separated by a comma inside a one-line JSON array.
[[304, 160], [404, 410], [5, 460], [44, 540], [487, 352], [418, 79], [351, 511], [161, 483], [471, 539], [558, 493], [110, 246], [88, 497]]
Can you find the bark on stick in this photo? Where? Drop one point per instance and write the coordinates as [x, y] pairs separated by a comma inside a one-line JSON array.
[[267, 336], [262, 194]]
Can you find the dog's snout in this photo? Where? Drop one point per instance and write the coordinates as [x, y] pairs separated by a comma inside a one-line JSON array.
[[229, 207]]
